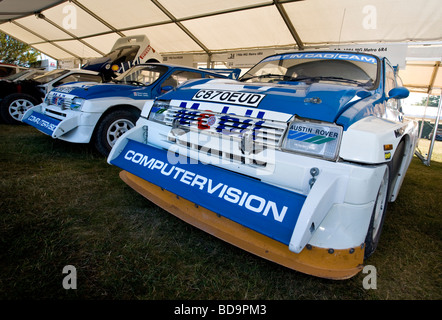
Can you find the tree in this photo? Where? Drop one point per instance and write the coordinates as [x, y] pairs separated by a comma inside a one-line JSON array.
[[16, 52], [433, 101]]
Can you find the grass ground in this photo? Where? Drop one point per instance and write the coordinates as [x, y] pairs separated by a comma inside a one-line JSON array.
[[62, 204]]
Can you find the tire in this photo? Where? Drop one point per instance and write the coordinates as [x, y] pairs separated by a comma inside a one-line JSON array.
[[111, 127], [14, 106], [378, 216]]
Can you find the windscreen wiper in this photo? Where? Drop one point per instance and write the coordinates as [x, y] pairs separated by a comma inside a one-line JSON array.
[[330, 78], [269, 75], [138, 83]]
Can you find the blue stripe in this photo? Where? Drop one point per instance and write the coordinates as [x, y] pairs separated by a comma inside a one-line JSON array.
[[42, 122], [299, 136]]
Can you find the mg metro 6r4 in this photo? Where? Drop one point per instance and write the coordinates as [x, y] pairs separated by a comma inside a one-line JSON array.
[[295, 162], [85, 112]]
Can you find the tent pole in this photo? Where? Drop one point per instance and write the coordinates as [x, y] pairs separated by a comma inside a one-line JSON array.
[[209, 60], [423, 117], [419, 137], [433, 138]]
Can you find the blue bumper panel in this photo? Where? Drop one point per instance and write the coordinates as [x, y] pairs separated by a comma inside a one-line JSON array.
[[264, 208], [42, 122]]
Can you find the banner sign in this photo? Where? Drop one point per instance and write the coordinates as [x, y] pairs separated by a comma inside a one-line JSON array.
[[267, 209], [179, 59], [396, 53], [245, 59]]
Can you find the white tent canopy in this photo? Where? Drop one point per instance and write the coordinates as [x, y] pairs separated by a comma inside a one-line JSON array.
[[88, 28], [209, 29]]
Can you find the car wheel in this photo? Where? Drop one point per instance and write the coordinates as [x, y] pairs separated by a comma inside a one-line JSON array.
[[111, 127], [14, 106], [377, 217]]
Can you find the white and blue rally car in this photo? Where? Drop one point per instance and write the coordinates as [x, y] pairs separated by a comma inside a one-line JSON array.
[[295, 162], [84, 112]]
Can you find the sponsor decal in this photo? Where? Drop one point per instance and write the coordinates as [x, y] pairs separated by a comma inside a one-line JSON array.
[[264, 208], [206, 120], [42, 122], [57, 99], [312, 135], [325, 55], [141, 94], [211, 121], [227, 123], [64, 89], [231, 97], [146, 51]]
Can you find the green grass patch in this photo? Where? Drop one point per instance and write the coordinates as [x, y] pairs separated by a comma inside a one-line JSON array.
[[63, 204]]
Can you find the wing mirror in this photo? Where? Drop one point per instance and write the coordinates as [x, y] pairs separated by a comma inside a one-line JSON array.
[[398, 93], [166, 89]]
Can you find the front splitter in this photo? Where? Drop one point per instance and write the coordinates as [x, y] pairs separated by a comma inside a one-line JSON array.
[[321, 262]]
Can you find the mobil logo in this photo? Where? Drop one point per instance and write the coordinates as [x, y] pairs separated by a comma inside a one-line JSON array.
[[231, 120], [229, 124]]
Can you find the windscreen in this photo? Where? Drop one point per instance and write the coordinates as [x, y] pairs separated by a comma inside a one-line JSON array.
[[142, 74], [51, 75], [351, 68]]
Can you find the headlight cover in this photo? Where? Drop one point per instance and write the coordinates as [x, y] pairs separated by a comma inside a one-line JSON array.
[[158, 110], [76, 104], [313, 138]]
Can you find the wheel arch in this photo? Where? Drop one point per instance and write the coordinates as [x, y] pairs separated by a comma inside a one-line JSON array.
[[376, 141], [399, 163], [136, 111]]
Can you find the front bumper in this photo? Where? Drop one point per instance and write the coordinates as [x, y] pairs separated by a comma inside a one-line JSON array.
[[320, 262], [319, 230], [67, 125]]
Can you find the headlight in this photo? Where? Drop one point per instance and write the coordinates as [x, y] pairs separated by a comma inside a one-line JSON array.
[[76, 104], [51, 98], [313, 138], [158, 110]]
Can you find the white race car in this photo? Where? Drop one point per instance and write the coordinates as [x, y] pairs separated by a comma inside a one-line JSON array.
[[18, 97], [295, 162], [84, 112]]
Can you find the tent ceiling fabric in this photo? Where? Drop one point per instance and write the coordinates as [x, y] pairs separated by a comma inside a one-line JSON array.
[[423, 76], [87, 28]]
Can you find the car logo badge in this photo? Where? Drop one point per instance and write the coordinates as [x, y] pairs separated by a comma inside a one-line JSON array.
[[211, 121]]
